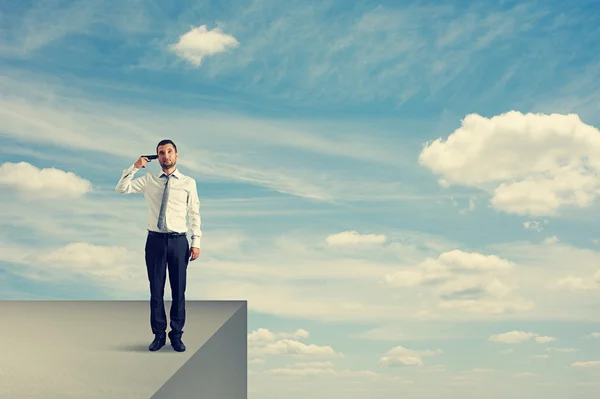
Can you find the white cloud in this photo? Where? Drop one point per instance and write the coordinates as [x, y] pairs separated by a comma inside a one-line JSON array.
[[94, 259], [465, 286], [307, 371], [465, 281], [533, 225], [318, 372], [561, 350], [407, 278], [32, 183], [593, 335], [532, 164], [541, 266], [381, 334], [261, 336], [199, 42], [472, 205], [498, 289], [417, 330], [357, 377], [407, 357], [222, 241], [588, 364], [473, 283], [312, 365], [293, 347], [355, 238], [489, 306], [550, 240], [264, 336], [446, 267], [263, 342], [544, 339], [110, 263], [577, 284], [473, 262], [513, 337]]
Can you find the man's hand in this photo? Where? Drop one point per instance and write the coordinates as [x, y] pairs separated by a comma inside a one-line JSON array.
[[141, 162], [194, 253]]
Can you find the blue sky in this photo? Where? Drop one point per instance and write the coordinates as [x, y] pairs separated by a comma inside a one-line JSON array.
[[405, 192]]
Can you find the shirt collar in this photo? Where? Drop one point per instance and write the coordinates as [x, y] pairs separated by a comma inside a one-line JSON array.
[[176, 173]]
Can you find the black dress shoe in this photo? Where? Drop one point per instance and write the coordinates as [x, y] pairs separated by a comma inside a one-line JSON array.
[[177, 344], [159, 342]]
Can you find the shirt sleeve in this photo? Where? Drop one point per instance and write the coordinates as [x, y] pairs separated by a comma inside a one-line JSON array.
[[193, 213], [128, 185]]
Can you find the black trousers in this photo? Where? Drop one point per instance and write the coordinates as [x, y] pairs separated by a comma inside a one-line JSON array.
[[167, 252]]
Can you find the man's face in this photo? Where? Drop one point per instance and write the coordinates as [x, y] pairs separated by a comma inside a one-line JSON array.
[[167, 157]]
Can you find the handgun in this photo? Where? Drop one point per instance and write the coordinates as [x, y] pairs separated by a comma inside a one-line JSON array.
[[150, 157]]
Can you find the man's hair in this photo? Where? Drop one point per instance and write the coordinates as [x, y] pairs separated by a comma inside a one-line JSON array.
[[165, 142]]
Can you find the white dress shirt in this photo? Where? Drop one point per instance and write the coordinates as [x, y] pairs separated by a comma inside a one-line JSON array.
[[183, 200]]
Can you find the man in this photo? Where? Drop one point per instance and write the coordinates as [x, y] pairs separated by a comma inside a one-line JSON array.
[[171, 196]]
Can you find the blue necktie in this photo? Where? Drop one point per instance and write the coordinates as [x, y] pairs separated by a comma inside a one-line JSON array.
[[163, 205]]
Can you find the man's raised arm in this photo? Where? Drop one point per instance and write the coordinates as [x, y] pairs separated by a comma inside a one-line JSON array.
[[128, 185]]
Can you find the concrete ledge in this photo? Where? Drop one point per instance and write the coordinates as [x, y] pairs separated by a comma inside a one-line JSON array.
[[99, 349]]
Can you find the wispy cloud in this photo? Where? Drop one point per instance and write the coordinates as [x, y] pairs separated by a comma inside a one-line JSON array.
[[80, 124], [30, 30], [333, 54], [330, 55]]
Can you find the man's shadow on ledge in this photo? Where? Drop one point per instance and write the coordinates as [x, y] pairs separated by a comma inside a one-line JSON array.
[[142, 348]]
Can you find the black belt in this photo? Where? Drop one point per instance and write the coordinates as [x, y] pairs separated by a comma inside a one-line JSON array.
[[168, 234]]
